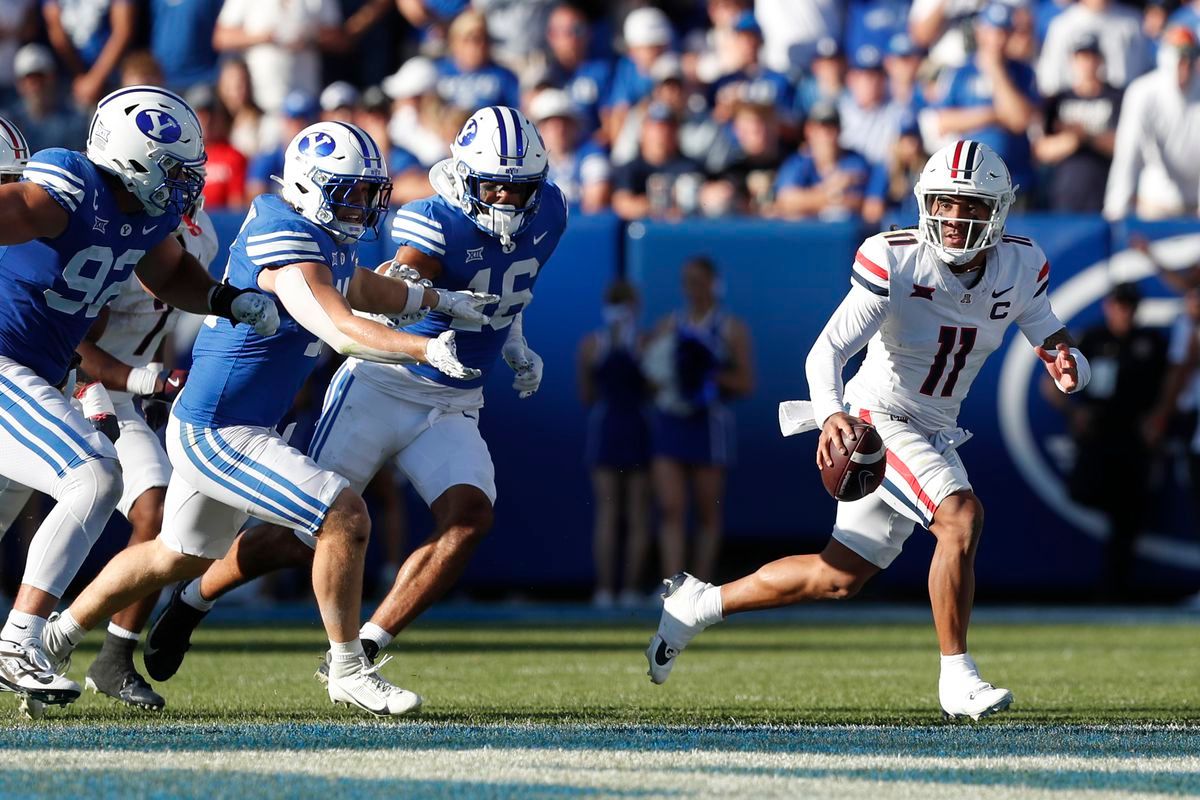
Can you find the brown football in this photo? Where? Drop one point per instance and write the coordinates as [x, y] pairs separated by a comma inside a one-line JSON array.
[[858, 473]]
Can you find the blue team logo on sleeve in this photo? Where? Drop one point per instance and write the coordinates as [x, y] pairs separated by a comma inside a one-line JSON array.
[[468, 133], [318, 145], [158, 125]]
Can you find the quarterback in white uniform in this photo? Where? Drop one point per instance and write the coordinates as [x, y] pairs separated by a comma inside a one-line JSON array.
[[929, 305]]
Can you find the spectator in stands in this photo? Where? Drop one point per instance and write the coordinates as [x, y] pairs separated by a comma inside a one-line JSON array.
[[826, 79], [90, 38], [225, 170], [870, 120], [235, 93], [875, 23], [410, 178], [41, 113], [588, 81], [181, 40], [281, 42], [902, 65], [1107, 421], [792, 28], [431, 18], [577, 166], [1117, 29], [339, 102], [890, 188], [1187, 15], [698, 132], [992, 99], [943, 29], [416, 111], [711, 52], [1155, 172], [659, 182], [1080, 130], [517, 28], [697, 360], [468, 77], [368, 52], [141, 68], [750, 156], [613, 388], [299, 111], [824, 179], [18, 23], [749, 81], [647, 34]]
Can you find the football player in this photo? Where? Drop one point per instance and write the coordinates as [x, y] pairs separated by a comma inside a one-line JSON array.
[[492, 225], [120, 351], [929, 305], [228, 462], [76, 229]]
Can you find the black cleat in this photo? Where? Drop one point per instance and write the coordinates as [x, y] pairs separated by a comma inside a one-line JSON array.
[[122, 682], [170, 636]]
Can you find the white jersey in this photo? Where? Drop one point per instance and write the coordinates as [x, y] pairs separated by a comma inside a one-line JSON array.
[[137, 322], [927, 335]]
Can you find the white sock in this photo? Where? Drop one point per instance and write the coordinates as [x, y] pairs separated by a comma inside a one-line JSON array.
[[63, 635], [959, 667], [345, 658], [118, 631], [191, 595], [21, 626], [709, 608], [376, 634]]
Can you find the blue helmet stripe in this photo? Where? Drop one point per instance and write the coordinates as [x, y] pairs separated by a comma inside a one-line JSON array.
[[503, 135], [520, 135], [369, 150]]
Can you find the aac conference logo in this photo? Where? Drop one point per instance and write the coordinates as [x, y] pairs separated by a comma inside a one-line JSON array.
[[158, 125], [1020, 372]]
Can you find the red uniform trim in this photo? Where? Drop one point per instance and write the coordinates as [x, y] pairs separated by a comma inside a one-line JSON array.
[[871, 266]]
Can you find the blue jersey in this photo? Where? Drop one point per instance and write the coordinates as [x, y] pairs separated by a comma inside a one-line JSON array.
[[52, 289], [239, 377], [474, 260]]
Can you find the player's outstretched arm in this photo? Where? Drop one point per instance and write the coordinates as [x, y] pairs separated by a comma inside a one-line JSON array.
[[378, 293], [28, 212], [1066, 364], [307, 292], [98, 364], [175, 277]]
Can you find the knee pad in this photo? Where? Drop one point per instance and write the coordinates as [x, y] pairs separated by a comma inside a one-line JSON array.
[[91, 492]]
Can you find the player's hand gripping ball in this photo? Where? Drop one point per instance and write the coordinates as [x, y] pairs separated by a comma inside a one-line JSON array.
[[859, 471]]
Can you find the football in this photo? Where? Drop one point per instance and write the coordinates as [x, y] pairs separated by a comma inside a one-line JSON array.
[[858, 473]]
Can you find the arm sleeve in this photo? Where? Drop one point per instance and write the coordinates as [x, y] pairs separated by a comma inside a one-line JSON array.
[[1037, 319], [849, 329]]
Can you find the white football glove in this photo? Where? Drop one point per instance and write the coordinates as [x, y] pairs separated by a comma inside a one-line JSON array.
[[525, 363], [257, 310], [442, 355], [467, 306]]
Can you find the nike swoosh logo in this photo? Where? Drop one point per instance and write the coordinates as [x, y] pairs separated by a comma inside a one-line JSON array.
[[173, 383], [664, 654], [540, 236], [146, 231], [1001, 294]]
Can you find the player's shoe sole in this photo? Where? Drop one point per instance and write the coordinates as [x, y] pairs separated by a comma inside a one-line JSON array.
[[368, 690]]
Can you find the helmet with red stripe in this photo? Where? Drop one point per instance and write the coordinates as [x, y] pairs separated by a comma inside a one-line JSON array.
[[496, 147], [14, 152], [965, 169]]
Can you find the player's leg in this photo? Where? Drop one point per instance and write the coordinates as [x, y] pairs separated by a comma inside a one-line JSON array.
[[606, 500], [708, 491], [47, 445], [670, 492], [13, 498], [637, 526]]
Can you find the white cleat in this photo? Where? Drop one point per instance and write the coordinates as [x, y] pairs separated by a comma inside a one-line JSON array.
[[366, 689], [677, 626], [976, 701], [25, 669]]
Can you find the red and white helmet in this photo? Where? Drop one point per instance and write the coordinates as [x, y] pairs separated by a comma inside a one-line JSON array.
[[970, 169], [14, 152]]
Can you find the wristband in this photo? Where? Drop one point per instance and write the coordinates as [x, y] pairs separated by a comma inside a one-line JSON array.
[[142, 380], [415, 299], [220, 300], [1083, 370]]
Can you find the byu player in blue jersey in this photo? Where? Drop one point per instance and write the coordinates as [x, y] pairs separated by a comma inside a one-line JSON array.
[[228, 462], [72, 233], [492, 225]]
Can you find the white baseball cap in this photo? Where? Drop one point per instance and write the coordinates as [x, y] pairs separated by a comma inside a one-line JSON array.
[[550, 103], [33, 58], [417, 76], [339, 94], [647, 27]]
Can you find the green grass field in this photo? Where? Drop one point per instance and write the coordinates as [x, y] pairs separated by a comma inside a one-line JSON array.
[[516, 709]]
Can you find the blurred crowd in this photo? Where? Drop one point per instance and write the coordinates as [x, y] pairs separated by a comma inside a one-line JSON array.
[[776, 108]]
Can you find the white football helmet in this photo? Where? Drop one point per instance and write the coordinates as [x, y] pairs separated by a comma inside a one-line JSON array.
[[496, 145], [334, 174], [971, 169], [151, 140], [14, 152]]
